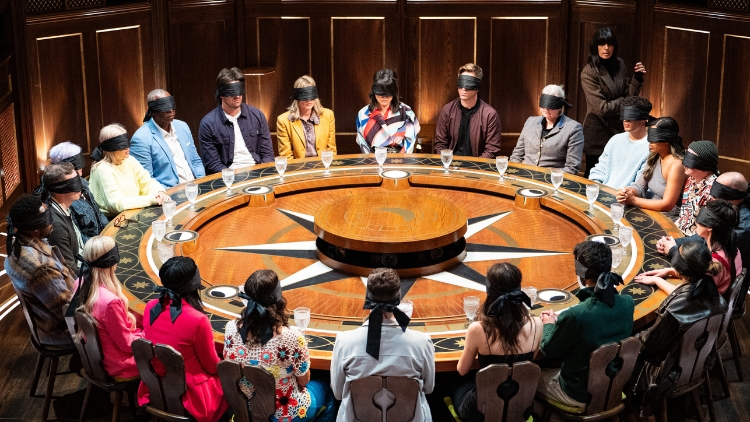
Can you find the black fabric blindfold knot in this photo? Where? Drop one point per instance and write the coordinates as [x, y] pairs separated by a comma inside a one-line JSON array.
[[605, 290], [376, 321], [118, 143], [384, 90], [585, 272], [175, 295], [305, 94], [160, 105], [469, 82], [35, 222], [77, 160], [705, 287], [552, 102], [108, 260], [657, 134], [720, 191], [235, 89], [66, 186], [500, 306], [693, 161], [260, 306], [632, 113]]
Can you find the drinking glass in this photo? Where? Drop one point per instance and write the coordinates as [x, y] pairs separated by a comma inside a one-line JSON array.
[[557, 178], [159, 228], [502, 165], [616, 211], [592, 193], [227, 175], [191, 192], [302, 318], [169, 207], [380, 156], [531, 293], [471, 306], [446, 156], [616, 257], [280, 167], [327, 158], [165, 250], [625, 235], [407, 307]]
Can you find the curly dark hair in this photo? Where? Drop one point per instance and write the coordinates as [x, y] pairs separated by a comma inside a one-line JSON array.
[[24, 207], [503, 278], [260, 286], [594, 255], [384, 284], [641, 103]]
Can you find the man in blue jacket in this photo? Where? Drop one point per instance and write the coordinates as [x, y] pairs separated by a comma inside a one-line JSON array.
[[164, 146]]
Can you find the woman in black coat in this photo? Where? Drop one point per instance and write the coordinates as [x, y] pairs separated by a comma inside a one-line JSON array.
[[605, 84]]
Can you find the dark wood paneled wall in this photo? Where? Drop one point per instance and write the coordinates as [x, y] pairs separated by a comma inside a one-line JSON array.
[[90, 68]]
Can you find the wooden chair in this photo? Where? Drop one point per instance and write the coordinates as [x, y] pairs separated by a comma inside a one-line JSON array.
[[721, 339], [504, 393], [392, 399], [610, 367], [53, 353], [262, 405], [89, 348], [739, 312], [165, 392]]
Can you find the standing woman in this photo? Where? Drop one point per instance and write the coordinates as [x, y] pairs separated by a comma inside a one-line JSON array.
[[307, 128], [605, 84], [386, 121]]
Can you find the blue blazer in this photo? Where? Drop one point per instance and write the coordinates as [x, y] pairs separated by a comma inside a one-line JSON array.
[[152, 151]]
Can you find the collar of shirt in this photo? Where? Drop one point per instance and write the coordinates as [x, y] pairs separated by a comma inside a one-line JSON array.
[[164, 133], [314, 119], [558, 122], [388, 321], [59, 207], [227, 118]]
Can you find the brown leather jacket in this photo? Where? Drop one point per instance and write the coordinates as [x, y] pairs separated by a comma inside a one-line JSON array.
[[484, 129]]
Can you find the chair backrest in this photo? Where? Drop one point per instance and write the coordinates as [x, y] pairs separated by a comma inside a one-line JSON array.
[[739, 304], [610, 367], [504, 393], [89, 348], [262, 405], [696, 344], [165, 392], [29, 319], [376, 398], [734, 293]]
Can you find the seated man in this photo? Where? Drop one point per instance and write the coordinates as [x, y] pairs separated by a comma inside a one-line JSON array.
[[625, 152], [61, 186], [468, 125], [602, 317], [383, 346], [37, 270], [164, 145], [234, 134]]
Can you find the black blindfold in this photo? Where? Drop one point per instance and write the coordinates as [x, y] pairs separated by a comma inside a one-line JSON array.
[[305, 94], [693, 161], [27, 223], [376, 321], [632, 113], [118, 143], [260, 306], [175, 295], [469, 82], [720, 191], [384, 90], [552, 102], [160, 105], [66, 186], [235, 89], [656, 135], [108, 260], [77, 160]]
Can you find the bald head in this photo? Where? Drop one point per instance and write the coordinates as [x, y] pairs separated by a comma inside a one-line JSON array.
[[734, 180]]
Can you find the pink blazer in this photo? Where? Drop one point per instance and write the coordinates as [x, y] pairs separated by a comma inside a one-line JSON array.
[[115, 335]]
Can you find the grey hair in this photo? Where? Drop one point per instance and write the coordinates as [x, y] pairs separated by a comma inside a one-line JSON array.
[[62, 151], [556, 90], [157, 93], [110, 131]]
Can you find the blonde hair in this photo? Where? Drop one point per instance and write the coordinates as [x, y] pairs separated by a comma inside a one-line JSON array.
[[109, 132], [94, 248], [471, 68], [303, 82]]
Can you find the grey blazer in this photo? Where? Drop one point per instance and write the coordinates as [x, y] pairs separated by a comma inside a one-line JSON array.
[[561, 148]]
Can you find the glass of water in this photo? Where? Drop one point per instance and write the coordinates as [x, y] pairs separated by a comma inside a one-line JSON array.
[[407, 307], [191, 193], [169, 207], [616, 211], [280, 167], [471, 306], [227, 175], [625, 235], [302, 318], [446, 156], [165, 250], [592, 193], [380, 155], [616, 257], [502, 165], [557, 178], [327, 158], [159, 228], [531, 293]]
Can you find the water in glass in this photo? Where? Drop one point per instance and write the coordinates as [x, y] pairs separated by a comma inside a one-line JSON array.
[[327, 158], [446, 156], [616, 256], [502, 165], [616, 211], [557, 178], [531, 293], [227, 175], [280, 167], [159, 229], [592, 193], [191, 193], [169, 207], [380, 156], [166, 251], [471, 306], [625, 235], [302, 318]]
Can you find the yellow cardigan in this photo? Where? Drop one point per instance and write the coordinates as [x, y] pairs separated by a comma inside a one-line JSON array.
[[291, 135]]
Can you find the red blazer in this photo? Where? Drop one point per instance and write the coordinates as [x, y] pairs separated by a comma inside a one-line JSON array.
[[191, 335], [115, 335]]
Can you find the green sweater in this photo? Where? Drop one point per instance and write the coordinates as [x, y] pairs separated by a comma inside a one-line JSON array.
[[578, 332]]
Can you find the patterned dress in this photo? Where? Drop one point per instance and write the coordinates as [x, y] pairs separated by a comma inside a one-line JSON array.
[[397, 130], [286, 357], [694, 197]]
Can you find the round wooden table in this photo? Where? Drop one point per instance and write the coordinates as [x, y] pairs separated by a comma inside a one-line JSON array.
[[322, 235]]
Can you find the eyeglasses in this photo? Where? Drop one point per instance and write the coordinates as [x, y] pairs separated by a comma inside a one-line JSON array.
[[121, 222]]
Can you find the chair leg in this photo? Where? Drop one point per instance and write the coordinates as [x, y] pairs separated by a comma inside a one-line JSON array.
[[37, 373], [116, 406], [736, 350], [709, 401], [50, 387], [133, 400], [698, 407], [722, 376], [82, 418], [663, 410]]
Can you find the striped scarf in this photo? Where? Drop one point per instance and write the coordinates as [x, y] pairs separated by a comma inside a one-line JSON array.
[[394, 130]]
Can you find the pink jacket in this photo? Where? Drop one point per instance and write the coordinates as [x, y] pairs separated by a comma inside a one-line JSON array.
[[115, 335]]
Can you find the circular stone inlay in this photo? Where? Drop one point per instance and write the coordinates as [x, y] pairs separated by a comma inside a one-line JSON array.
[[391, 222]]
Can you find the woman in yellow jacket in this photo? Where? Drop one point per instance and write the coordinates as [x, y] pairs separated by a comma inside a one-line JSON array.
[[307, 128]]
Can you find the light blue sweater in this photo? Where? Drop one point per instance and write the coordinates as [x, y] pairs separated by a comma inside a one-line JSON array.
[[619, 163]]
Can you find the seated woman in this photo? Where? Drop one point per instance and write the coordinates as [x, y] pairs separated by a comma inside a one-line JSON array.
[[307, 128], [118, 181], [262, 336], [554, 140], [715, 224], [504, 333], [660, 181], [177, 319], [386, 121], [102, 299]]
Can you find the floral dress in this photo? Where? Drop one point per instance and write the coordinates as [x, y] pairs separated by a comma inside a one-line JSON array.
[[285, 356]]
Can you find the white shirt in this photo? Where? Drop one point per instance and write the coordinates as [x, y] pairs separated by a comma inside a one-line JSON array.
[[184, 172], [242, 157]]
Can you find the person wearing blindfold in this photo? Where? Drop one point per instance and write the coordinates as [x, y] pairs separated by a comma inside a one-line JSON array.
[[625, 152], [603, 316], [85, 211], [605, 84], [701, 164], [164, 145], [505, 333], [118, 181], [468, 125], [307, 128], [38, 271], [176, 318], [386, 122], [234, 134], [383, 346], [661, 179], [262, 336], [554, 140], [61, 186]]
